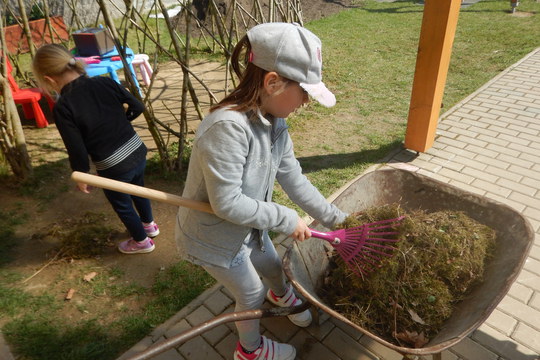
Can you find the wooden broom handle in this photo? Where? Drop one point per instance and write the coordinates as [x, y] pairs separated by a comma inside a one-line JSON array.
[[141, 191]]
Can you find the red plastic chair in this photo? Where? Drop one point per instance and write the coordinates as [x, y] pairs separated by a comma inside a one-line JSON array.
[[29, 99]]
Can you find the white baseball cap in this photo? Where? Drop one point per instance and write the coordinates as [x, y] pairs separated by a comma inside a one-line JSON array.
[[294, 53]]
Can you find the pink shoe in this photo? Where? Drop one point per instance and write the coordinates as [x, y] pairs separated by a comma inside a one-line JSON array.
[[133, 247], [151, 229], [269, 350]]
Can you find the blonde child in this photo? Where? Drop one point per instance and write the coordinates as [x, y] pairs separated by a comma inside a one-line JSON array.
[[240, 149], [93, 122]]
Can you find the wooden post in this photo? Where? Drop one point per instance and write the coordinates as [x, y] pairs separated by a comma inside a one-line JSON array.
[[434, 49]]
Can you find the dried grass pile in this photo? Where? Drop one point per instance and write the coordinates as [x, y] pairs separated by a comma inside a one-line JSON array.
[[79, 238], [439, 257]]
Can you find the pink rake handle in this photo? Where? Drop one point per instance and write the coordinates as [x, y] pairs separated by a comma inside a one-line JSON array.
[[332, 237]]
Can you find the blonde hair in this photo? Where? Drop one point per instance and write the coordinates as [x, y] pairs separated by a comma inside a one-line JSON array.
[[54, 60], [246, 96]]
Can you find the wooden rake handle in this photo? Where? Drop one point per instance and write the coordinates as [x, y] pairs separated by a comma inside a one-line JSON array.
[[141, 191]]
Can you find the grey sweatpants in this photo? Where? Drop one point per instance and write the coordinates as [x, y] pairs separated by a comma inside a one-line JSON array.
[[245, 283]]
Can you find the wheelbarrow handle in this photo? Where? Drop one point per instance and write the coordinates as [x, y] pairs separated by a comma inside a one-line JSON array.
[[181, 338]]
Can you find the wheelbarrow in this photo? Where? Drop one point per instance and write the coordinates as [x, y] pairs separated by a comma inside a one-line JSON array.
[[305, 263]]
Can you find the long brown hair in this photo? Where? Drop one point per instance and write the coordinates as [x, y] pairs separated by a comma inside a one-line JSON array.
[[54, 60], [246, 95]]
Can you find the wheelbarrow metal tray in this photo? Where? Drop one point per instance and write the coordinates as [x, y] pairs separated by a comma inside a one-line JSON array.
[[305, 263]]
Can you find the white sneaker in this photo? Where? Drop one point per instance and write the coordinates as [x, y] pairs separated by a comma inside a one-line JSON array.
[[302, 319], [269, 350]]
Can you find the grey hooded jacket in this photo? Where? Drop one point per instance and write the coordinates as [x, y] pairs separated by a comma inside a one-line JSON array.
[[235, 160]]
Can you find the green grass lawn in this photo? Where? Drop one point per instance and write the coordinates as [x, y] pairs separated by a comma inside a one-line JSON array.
[[369, 55]]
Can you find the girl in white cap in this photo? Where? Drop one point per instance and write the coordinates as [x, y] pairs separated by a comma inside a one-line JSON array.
[[240, 149]]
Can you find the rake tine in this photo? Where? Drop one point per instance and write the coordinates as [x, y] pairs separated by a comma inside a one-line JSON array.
[[382, 233], [381, 240], [353, 258], [358, 237]]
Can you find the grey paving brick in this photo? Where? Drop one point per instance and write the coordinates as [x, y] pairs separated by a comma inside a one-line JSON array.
[[519, 207], [492, 162], [198, 349], [499, 140], [218, 302], [527, 149], [502, 322], [506, 150], [521, 292], [515, 161], [468, 163], [379, 349], [516, 186], [430, 166], [466, 134], [466, 115], [535, 301], [227, 346], [320, 331], [490, 187], [529, 280], [433, 175], [469, 349], [520, 311], [523, 113], [447, 133], [506, 346], [532, 265], [448, 355], [170, 354], [455, 175], [529, 336], [473, 149], [535, 252], [530, 157], [482, 128], [467, 187], [281, 328], [177, 328], [199, 316], [349, 330], [310, 348], [503, 130], [527, 200], [216, 334], [452, 142], [453, 121], [447, 163], [523, 139], [346, 347]]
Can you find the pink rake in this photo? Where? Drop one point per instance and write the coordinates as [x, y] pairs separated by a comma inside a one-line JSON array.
[[363, 247], [360, 247]]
